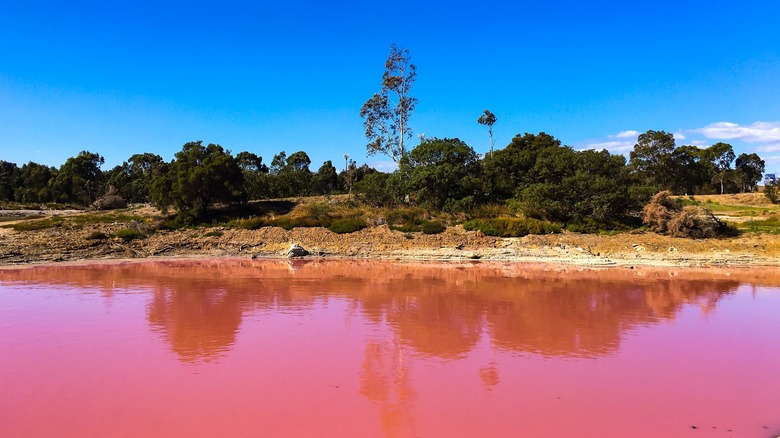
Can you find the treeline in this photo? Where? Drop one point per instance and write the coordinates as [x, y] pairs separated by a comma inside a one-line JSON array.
[[534, 175]]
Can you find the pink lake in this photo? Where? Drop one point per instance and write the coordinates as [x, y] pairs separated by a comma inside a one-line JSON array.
[[360, 349]]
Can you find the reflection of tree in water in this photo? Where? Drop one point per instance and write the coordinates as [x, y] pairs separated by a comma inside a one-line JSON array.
[[199, 324], [385, 380], [435, 310]]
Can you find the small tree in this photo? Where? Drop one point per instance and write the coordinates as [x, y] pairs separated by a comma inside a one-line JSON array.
[[488, 119], [198, 177], [770, 191], [386, 114]]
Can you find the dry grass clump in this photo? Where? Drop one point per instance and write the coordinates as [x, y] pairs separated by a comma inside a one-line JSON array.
[[665, 216], [110, 201]]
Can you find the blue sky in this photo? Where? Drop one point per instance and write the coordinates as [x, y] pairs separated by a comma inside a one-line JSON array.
[[120, 78]]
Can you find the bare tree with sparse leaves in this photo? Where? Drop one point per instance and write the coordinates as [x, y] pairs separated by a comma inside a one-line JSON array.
[[386, 114], [488, 119]]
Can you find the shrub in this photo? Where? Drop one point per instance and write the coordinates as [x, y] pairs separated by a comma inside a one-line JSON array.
[[110, 201], [512, 227], [128, 235], [770, 191], [373, 189], [214, 234], [659, 212], [282, 222], [250, 224], [347, 225], [35, 225], [699, 223], [97, 235], [429, 227], [664, 215]]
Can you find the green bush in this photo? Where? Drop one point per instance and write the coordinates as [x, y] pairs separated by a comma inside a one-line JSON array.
[[214, 234], [429, 227], [35, 225], [97, 235], [128, 235], [282, 222], [249, 224], [347, 225], [512, 227]]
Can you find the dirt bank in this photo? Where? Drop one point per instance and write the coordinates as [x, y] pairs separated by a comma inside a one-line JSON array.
[[71, 243]]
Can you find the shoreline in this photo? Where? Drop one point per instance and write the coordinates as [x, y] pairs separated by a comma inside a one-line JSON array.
[[71, 245]]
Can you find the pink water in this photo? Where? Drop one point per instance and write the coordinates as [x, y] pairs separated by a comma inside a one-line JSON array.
[[346, 348]]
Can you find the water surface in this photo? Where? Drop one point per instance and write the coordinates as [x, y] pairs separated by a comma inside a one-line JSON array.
[[347, 348]]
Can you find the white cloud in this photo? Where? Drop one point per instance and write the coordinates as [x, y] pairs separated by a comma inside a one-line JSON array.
[[626, 134], [619, 147], [679, 135], [754, 133], [383, 166], [772, 147]]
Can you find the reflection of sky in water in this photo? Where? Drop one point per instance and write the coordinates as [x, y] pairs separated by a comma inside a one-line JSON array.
[[428, 346]]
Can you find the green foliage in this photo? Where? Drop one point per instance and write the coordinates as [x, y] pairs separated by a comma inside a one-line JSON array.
[[512, 227], [214, 234], [248, 224], [127, 234], [97, 235], [387, 126], [347, 225], [651, 158], [771, 193], [488, 119], [768, 225], [430, 227], [79, 180], [133, 179], [439, 170], [506, 170], [749, 169], [198, 177], [406, 219], [9, 174], [375, 190], [35, 225], [33, 183], [326, 179]]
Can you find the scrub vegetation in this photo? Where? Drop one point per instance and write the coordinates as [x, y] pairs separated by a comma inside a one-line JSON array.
[[533, 185]]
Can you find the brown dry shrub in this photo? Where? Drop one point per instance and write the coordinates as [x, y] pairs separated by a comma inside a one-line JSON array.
[[660, 211], [698, 223], [110, 201], [663, 215]]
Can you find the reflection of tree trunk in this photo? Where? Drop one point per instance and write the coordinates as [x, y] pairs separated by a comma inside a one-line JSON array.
[[385, 380]]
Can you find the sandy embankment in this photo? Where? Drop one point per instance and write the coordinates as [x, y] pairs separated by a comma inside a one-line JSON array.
[[71, 244]]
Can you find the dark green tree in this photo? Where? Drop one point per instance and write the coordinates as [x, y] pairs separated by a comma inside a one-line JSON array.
[[507, 170], [257, 180], [386, 114], [749, 169], [133, 179], [278, 163], [251, 162], [327, 179], [9, 176], [689, 171], [198, 177], [33, 183], [79, 180], [721, 155], [374, 189], [441, 171], [651, 158], [295, 178]]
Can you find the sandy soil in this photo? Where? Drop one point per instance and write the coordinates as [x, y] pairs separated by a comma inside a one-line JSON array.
[[70, 243]]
